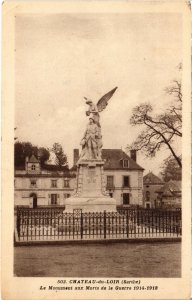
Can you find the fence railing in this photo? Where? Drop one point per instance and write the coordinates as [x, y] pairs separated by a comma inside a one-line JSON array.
[[126, 223]]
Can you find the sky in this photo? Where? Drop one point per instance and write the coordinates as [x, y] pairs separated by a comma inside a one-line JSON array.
[[61, 58]]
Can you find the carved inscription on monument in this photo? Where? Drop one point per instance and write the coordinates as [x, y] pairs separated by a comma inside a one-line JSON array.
[[91, 176]]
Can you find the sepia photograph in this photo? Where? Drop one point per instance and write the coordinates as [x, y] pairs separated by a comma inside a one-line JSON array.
[[98, 159]]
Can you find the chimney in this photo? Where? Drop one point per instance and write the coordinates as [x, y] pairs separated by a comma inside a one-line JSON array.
[[75, 156], [133, 154]]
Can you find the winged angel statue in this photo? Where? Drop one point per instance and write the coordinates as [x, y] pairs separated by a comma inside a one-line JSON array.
[[92, 140]]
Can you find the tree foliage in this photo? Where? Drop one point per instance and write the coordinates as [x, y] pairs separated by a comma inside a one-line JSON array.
[[24, 149], [162, 129], [60, 156], [170, 170]]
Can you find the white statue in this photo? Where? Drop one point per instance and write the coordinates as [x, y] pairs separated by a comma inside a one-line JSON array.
[[92, 140]]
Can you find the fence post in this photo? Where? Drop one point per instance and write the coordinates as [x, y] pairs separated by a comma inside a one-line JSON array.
[[104, 224], [138, 221], [18, 224], [127, 221], [180, 222], [177, 225], [27, 225], [73, 224], [152, 222], [81, 225]]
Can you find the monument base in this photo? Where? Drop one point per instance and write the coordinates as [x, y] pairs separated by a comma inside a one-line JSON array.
[[90, 204], [91, 194]]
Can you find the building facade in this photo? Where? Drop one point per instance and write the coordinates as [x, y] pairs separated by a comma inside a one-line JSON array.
[[49, 185], [124, 177], [151, 183], [169, 195], [37, 186]]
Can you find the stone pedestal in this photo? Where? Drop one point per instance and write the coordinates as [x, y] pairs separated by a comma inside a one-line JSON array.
[[90, 195]]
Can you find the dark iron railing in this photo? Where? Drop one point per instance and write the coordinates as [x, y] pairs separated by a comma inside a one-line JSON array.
[[54, 224]]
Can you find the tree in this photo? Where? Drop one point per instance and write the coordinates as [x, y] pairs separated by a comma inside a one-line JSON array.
[[43, 155], [24, 149], [170, 170], [159, 130], [61, 158]]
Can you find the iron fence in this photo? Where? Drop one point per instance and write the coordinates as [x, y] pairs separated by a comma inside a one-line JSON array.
[[126, 223]]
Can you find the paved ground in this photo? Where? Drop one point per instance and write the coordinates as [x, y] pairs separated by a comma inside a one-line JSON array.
[[99, 260]]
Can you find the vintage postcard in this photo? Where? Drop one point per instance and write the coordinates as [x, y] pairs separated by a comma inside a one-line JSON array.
[[96, 156]]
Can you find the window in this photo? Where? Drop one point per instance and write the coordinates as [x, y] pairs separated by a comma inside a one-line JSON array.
[[66, 182], [125, 163], [54, 183], [53, 199], [33, 183], [33, 167], [147, 196], [125, 181], [125, 198], [110, 182], [66, 196], [111, 195]]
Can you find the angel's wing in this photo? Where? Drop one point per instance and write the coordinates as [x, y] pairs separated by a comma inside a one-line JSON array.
[[102, 103]]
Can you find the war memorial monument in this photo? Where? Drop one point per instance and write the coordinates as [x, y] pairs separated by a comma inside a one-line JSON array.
[[91, 194]]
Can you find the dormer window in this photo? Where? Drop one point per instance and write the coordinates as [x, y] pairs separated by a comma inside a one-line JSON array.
[[33, 167], [125, 163]]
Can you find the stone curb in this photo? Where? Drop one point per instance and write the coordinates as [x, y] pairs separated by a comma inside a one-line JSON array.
[[101, 241]]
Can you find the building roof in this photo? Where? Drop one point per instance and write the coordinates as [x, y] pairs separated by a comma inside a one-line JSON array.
[[151, 178], [20, 168], [170, 188], [113, 159], [48, 175], [54, 168], [33, 159]]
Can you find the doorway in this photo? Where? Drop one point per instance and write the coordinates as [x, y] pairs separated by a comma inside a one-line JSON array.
[[148, 205], [34, 196], [126, 199]]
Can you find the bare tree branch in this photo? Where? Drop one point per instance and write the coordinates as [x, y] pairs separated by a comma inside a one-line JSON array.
[[161, 130]]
